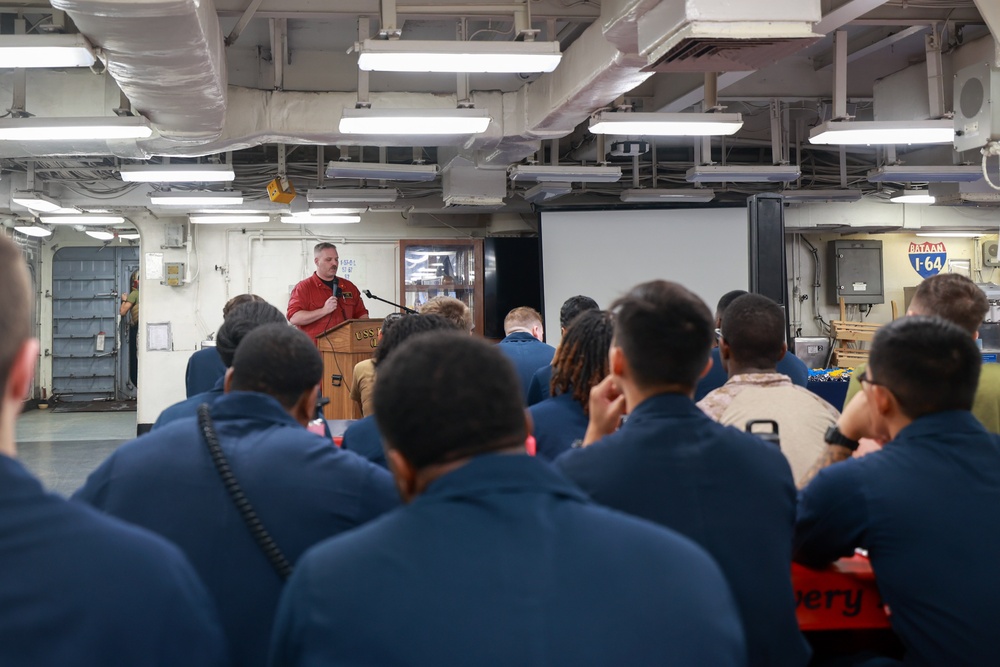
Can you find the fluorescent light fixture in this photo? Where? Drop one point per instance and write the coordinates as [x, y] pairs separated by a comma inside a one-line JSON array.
[[196, 198], [54, 51], [867, 132], [912, 197], [36, 201], [68, 129], [407, 55], [953, 235], [377, 170], [320, 219], [100, 236], [229, 219], [82, 219], [414, 121], [794, 196], [177, 173], [352, 195], [545, 191], [129, 236], [718, 173], [33, 230], [667, 195], [666, 124], [564, 174], [904, 173]]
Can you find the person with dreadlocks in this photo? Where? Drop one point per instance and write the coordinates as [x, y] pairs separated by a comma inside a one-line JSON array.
[[580, 362]]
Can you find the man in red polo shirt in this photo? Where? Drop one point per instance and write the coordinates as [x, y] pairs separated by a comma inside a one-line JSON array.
[[323, 300]]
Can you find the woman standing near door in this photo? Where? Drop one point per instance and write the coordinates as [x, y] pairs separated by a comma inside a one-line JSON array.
[[130, 308]]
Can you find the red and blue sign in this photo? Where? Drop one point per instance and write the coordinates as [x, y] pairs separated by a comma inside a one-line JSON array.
[[928, 259]]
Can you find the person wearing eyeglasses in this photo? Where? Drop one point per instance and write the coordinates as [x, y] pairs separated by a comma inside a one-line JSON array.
[[926, 506]]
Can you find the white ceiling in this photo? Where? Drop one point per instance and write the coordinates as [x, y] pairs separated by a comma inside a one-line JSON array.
[[212, 101]]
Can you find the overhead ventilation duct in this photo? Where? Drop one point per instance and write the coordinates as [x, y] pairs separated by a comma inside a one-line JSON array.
[[712, 36], [167, 56]]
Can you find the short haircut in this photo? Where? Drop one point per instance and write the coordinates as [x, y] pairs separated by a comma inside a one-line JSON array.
[[523, 317], [320, 247], [241, 321], [238, 300], [727, 299], [666, 332], [448, 396], [573, 306], [406, 327], [451, 309], [953, 297], [928, 363], [581, 361], [277, 360], [754, 328], [15, 306]]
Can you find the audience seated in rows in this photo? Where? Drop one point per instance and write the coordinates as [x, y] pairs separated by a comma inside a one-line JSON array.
[[927, 506], [538, 388], [496, 559], [523, 344], [363, 378], [363, 437], [205, 367], [243, 319], [789, 364], [957, 299], [729, 491], [76, 587], [581, 362], [752, 342], [302, 488]]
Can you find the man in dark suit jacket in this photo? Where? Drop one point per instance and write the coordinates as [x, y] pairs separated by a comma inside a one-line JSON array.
[[523, 344], [729, 491], [496, 559]]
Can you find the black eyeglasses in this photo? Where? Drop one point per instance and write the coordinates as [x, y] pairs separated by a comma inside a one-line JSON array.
[[864, 378]]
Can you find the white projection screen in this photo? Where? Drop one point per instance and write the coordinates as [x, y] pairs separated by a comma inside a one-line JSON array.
[[602, 254]]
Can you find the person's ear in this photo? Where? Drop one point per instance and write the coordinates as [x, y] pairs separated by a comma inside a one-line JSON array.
[[616, 361], [305, 407], [708, 366], [227, 383], [882, 401], [725, 352], [403, 472], [22, 371], [784, 350]]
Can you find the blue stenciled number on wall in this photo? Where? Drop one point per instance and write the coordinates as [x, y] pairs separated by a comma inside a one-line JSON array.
[[928, 259]]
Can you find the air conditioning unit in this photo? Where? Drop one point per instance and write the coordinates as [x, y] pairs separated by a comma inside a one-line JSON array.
[[990, 257], [977, 106]]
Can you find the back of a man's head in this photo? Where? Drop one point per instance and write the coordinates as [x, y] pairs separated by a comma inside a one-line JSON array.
[[666, 332], [727, 299], [928, 363], [451, 309], [15, 308], [410, 325], [277, 360], [239, 300], [573, 306], [953, 297], [521, 318], [753, 327], [448, 396], [241, 321]]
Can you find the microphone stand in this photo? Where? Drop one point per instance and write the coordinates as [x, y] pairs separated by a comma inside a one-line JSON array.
[[368, 294]]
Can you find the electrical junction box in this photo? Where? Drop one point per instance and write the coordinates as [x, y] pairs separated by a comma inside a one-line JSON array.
[[281, 191], [173, 235], [628, 148], [855, 272], [173, 274]]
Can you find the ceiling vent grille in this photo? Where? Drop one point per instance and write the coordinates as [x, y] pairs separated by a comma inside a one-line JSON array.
[[725, 54]]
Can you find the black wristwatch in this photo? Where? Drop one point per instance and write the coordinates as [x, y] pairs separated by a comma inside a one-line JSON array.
[[833, 436]]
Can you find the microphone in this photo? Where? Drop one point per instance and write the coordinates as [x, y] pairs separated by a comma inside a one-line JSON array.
[[336, 287], [368, 293]]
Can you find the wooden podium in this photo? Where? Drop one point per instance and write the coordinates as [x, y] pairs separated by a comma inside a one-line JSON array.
[[342, 347]]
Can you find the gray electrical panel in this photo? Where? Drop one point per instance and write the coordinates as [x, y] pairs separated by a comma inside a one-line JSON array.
[[855, 271]]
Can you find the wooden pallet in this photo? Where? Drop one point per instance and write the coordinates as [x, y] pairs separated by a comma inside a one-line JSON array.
[[845, 332]]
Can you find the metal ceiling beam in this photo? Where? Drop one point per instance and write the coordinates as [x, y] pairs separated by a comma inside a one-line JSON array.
[[870, 42], [991, 14], [344, 8], [241, 25], [845, 13]]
